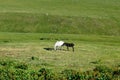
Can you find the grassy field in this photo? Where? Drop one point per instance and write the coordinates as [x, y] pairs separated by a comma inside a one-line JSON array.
[[85, 8], [56, 16], [90, 50], [28, 27]]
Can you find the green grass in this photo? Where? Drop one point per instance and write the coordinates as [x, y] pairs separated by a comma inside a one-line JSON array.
[[27, 27], [90, 50], [40, 23], [93, 8], [56, 16]]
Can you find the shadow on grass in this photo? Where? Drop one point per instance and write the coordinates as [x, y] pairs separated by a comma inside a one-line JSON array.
[[49, 49]]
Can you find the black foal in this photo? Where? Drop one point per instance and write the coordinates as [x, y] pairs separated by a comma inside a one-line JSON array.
[[69, 45]]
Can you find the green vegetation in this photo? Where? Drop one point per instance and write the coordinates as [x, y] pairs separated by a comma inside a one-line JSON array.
[[8, 70], [56, 16], [23, 56], [29, 27], [90, 50], [41, 23]]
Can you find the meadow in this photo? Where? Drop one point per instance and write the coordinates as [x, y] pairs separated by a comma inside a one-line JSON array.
[[29, 49], [45, 16], [88, 48], [29, 27]]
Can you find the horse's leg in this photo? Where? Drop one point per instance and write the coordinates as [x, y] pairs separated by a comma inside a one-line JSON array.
[[56, 47], [67, 48], [73, 49], [60, 47]]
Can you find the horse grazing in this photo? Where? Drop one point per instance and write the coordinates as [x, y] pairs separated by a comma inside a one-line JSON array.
[[69, 45], [58, 45]]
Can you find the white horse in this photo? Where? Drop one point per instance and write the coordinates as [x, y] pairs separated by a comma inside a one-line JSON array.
[[58, 45]]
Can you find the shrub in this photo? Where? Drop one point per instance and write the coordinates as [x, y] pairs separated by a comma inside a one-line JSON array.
[[71, 74], [103, 73], [116, 72], [6, 63], [10, 70], [33, 75], [22, 66], [46, 74], [103, 69]]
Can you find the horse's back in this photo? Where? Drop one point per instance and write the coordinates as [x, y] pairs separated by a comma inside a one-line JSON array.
[[69, 44]]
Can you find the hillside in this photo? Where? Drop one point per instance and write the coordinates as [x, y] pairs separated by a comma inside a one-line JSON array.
[[56, 16]]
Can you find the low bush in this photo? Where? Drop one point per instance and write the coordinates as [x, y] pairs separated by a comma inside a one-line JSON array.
[[71, 74], [22, 66], [10, 70]]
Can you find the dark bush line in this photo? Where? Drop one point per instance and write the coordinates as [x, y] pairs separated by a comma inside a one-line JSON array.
[[20, 71], [44, 38]]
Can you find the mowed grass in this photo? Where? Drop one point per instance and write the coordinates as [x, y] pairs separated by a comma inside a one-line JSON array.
[[90, 50], [93, 8], [56, 16], [86, 23]]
